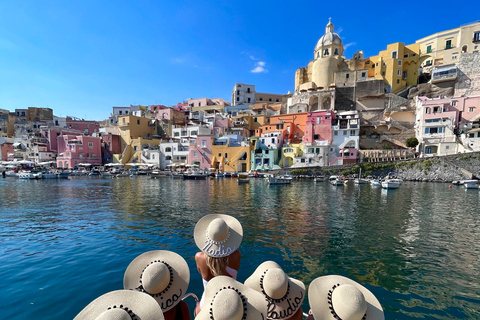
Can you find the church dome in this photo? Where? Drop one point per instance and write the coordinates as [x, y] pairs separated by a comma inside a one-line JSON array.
[[329, 37]]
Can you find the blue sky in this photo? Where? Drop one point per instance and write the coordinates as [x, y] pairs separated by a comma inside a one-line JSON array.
[[80, 58]]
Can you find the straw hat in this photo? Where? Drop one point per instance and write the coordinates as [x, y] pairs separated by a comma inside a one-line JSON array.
[[228, 299], [162, 274], [284, 295], [122, 305], [337, 297], [218, 235]]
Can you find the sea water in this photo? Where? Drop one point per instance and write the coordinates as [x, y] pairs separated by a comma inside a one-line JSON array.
[[63, 243]]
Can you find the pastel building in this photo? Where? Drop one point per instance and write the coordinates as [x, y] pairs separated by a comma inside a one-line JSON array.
[[200, 152], [345, 138], [446, 47], [317, 139], [441, 122], [88, 127], [397, 65], [230, 154], [74, 150], [246, 94]]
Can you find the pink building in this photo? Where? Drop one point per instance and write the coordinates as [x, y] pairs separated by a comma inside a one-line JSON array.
[[157, 107], [88, 127], [200, 152], [440, 121], [318, 126], [51, 135], [76, 149]]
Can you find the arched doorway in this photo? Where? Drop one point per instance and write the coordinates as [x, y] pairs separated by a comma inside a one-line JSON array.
[[326, 103]]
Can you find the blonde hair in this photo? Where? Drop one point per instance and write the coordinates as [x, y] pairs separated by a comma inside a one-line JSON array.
[[217, 266]]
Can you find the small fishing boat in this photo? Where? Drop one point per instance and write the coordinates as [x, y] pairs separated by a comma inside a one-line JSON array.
[[335, 180], [470, 184], [279, 180]]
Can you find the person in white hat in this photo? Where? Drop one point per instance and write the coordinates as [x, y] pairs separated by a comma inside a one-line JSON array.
[[218, 236], [164, 275], [122, 305], [283, 295], [228, 299], [336, 297]]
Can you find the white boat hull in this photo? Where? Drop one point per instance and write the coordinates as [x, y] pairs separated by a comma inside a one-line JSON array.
[[390, 184]]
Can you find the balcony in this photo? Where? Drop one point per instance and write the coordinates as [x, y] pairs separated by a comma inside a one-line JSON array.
[[444, 74]]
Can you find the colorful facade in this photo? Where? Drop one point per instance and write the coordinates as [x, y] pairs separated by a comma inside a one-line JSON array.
[[74, 150]]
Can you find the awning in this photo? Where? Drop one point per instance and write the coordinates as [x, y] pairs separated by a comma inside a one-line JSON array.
[[473, 130]]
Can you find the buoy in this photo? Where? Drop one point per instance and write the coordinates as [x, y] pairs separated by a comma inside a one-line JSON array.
[[450, 187]]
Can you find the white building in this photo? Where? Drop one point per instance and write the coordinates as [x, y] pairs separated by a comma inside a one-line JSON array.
[[243, 93]]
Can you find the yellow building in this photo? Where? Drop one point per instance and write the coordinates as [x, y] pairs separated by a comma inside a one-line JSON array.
[[445, 47], [230, 158], [397, 65], [135, 132], [289, 153]]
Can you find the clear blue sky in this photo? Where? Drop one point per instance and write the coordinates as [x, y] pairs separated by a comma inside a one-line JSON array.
[[82, 57]]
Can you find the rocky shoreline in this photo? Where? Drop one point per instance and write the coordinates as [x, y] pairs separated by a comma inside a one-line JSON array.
[[435, 169]]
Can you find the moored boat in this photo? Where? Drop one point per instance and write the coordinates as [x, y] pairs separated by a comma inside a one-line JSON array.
[[390, 184], [279, 180], [470, 184], [335, 180]]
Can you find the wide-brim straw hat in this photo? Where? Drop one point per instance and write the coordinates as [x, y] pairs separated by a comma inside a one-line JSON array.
[[162, 274], [228, 299], [218, 235], [338, 297], [120, 305], [283, 295]]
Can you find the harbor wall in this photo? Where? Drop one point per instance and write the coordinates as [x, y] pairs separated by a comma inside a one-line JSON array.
[[434, 169]]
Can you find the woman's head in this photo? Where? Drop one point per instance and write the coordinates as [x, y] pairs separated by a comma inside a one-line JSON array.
[[218, 235]]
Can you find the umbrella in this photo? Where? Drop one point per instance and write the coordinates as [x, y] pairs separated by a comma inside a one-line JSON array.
[[171, 165], [84, 164], [114, 165]]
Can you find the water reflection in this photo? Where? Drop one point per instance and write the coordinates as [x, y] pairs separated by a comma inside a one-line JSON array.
[[416, 248]]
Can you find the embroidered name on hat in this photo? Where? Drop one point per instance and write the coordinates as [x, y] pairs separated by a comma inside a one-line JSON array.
[[272, 304]]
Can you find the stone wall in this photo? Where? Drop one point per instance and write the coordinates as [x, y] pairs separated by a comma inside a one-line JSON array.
[[437, 169], [468, 81]]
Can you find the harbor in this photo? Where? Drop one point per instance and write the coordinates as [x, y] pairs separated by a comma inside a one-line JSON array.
[[415, 247]]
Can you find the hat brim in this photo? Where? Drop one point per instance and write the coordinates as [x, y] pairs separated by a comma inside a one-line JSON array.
[[318, 297], [141, 304], [214, 250], [179, 282], [288, 305], [254, 308]]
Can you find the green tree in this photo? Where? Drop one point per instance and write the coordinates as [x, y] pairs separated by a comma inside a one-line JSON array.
[[412, 142]]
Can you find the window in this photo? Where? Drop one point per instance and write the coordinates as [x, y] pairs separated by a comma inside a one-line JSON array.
[[238, 99], [471, 109], [427, 110], [398, 81], [90, 145], [168, 158], [364, 74], [383, 73], [310, 150], [344, 133], [199, 104], [325, 52], [138, 121], [317, 150], [399, 72], [454, 56], [428, 62], [352, 132], [394, 54], [168, 149], [248, 90], [405, 55], [405, 74], [195, 154], [447, 147], [454, 103], [176, 134], [335, 133], [126, 112], [134, 148], [336, 52], [347, 76], [399, 62], [316, 137], [436, 109], [204, 143], [476, 36], [448, 44], [373, 66], [429, 48], [249, 100], [261, 99], [120, 112]]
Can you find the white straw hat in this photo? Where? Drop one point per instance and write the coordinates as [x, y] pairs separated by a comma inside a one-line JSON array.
[[337, 297], [160, 273], [228, 299], [218, 235], [122, 305], [284, 295]]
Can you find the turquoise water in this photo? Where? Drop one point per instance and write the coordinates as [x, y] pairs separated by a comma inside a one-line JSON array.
[[63, 243]]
